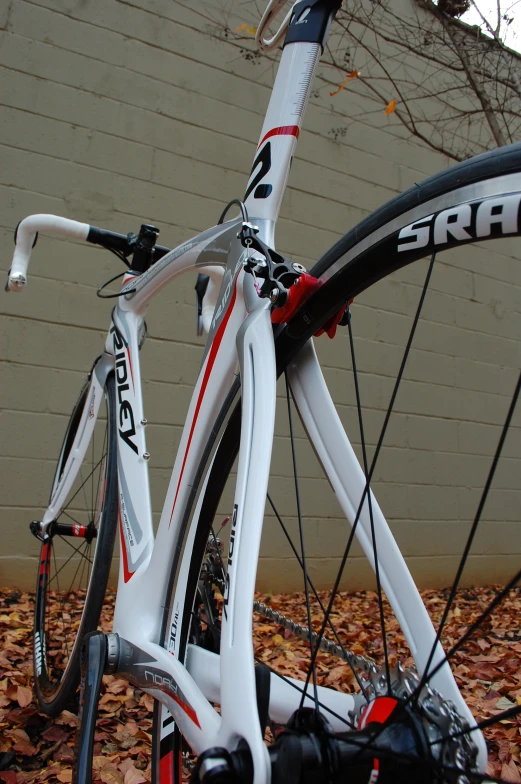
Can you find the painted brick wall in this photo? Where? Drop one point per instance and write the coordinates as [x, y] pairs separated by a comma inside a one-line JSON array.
[[117, 113]]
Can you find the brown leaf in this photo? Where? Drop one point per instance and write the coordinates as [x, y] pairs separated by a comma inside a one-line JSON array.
[[67, 718], [117, 686], [27, 749], [65, 776], [134, 776], [54, 734], [510, 772], [98, 762], [18, 735], [24, 696], [125, 765], [110, 775], [147, 701], [64, 754]]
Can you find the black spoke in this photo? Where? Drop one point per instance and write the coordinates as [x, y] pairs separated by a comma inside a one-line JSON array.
[[76, 550], [303, 692], [477, 623], [369, 501], [71, 499], [67, 514], [426, 675], [317, 597], [375, 457], [302, 548], [482, 724], [60, 598], [81, 563]]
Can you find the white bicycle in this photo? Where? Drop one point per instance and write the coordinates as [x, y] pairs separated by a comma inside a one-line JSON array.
[[183, 618]]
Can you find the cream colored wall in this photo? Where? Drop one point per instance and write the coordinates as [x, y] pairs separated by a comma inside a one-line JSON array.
[[115, 113]]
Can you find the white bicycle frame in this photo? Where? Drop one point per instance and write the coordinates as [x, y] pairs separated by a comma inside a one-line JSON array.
[[240, 332]]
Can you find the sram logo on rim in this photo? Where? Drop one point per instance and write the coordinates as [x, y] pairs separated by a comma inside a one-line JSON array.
[[463, 223]]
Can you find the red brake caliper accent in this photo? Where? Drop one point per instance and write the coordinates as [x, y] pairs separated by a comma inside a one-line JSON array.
[[300, 292], [302, 289]]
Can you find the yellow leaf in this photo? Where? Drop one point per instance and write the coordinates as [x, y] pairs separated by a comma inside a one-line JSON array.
[[278, 639], [349, 76], [391, 107], [244, 28]]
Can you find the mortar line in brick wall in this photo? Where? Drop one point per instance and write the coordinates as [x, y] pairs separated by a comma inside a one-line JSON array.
[[274, 61], [309, 161], [170, 151], [426, 415], [423, 350], [338, 115], [102, 335], [431, 386], [150, 180], [193, 231], [382, 310]]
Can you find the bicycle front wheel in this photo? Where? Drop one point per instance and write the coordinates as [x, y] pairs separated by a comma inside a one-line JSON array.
[[76, 556], [426, 383]]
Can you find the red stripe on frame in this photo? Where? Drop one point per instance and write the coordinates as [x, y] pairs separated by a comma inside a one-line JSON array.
[[282, 130], [166, 768], [130, 366], [211, 360], [126, 574], [187, 709]]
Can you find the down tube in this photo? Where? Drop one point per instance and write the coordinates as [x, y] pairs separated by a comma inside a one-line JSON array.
[[321, 421]]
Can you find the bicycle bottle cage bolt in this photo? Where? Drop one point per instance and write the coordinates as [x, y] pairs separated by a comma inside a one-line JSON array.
[[298, 268], [144, 422], [274, 295], [146, 455]]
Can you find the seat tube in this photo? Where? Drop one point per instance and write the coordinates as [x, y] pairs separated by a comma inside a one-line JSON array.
[[303, 46]]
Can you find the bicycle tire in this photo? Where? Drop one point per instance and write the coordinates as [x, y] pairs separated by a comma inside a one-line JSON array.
[[76, 610], [364, 256]]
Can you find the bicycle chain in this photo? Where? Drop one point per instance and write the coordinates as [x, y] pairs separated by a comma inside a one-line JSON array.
[[440, 717], [362, 663]]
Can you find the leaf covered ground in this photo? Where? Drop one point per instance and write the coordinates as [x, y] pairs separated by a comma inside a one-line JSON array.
[[34, 748]]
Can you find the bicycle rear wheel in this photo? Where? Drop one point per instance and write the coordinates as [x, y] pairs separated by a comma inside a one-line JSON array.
[[76, 557], [472, 202]]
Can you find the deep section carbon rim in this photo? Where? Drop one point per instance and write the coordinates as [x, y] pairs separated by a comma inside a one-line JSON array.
[[75, 558]]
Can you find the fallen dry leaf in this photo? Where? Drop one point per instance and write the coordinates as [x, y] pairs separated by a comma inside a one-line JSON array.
[[134, 776], [487, 669]]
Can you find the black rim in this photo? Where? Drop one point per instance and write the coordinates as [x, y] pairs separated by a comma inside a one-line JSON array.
[[70, 557]]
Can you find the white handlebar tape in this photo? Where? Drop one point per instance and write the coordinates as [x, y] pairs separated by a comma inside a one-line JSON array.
[[25, 236]]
